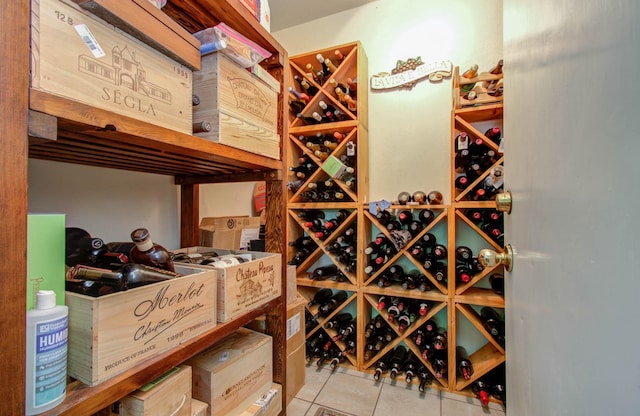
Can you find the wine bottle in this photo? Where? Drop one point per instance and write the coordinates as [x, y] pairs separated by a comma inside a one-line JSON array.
[[425, 377], [324, 272], [426, 216], [461, 182], [462, 141], [201, 127], [496, 70], [405, 217], [419, 197], [438, 362], [149, 253], [127, 277], [403, 198], [313, 345], [383, 217], [396, 361], [81, 248], [465, 368], [339, 320], [440, 251], [494, 134], [463, 274], [481, 390], [472, 72], [439, 340], [334, 301], [410, 367], [463, 254], [339, 56], [440, 273], [297, 106], [299, 95], [382, 365], [435, 198], [90, 287], [496, 280], [321, 296], [493, 324]]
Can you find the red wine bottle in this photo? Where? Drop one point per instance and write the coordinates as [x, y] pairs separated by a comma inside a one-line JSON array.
[[425, 377], [382, 365], [494, 134], [396, 361], [481, 390], [465, 368], [330, 305], [321, 296]]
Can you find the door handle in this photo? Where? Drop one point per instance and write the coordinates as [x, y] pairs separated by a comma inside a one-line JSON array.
[[503, 202], [491, 258]]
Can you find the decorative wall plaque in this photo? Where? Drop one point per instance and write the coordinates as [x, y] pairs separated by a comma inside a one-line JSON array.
[[407, 73]]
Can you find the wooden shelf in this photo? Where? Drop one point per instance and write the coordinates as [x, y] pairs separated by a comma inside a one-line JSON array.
[[82, 399], [43, 126]]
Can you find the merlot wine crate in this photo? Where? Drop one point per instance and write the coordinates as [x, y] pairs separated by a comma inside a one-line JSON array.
[[247, 286], [242, 109], [170, 394], [112, 333], [80, 57], [234, 373]]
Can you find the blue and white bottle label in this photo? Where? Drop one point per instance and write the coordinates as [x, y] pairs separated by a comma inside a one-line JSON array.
[[50, 364]]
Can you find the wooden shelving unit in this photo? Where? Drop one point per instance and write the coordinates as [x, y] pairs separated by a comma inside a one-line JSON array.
[[473, 117], [39, 125], [353, 128]]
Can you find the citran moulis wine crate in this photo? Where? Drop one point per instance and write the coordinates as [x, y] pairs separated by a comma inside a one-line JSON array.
[[233, 373], [112, 333], [78, 56], [246, 286], [241, 108]]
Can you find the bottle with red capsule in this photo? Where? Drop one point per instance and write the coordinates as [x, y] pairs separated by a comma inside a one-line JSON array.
[[463, 274], [482, 391], [463, 363], [405, 217], [494, 134]]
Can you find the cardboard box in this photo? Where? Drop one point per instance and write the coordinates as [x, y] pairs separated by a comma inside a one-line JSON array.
[[242, 110], [198, 408], [243, 288], [112, 333], [296, 369], [234, 373], [80, 57], [292, 285], [45, 256], [170, 394], [253, 6], [232, 233], [295, 324], [270, 404]]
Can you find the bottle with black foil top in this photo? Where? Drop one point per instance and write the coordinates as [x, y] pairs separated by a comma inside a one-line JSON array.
[[149, 253]]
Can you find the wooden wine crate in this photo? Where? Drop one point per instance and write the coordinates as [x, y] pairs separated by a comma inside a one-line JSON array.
[[80, 57], [270, 404], [168, 395], [242, 109], [112, 333], [145, 21], [234, 373], [198, 408], [246, 286]]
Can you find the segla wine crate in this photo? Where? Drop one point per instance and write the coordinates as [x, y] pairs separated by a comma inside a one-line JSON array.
[[77, 56], [246, 286], [241, 108], [170, 394], [234, 373], [112, 333]]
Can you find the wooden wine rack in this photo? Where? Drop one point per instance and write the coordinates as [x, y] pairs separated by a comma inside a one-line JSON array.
[[354, 129], [454, 307]]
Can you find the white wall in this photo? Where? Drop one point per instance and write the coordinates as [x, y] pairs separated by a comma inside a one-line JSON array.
[[408, 129]]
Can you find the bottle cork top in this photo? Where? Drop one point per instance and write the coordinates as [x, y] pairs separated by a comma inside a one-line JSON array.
[[140, 234]]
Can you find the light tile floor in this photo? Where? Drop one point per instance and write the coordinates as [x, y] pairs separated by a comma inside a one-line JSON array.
[[358, 394]]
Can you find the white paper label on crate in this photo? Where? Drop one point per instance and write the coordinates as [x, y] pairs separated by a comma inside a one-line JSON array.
[[247, 235], [293, 325], [89, 40]]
